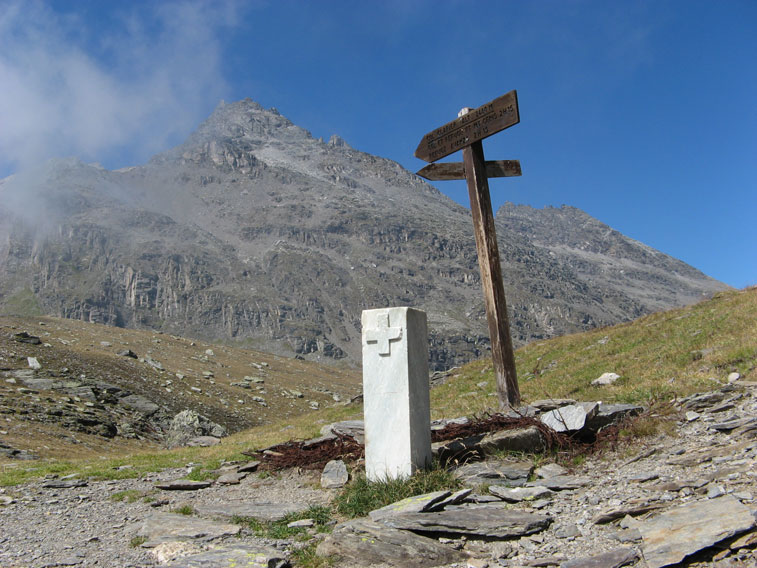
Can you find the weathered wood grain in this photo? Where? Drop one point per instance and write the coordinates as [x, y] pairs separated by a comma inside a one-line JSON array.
[[491, 275], [471, 127], [445, 171]]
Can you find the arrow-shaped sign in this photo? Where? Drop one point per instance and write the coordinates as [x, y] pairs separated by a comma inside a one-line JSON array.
[[443, 171], [476, 125]]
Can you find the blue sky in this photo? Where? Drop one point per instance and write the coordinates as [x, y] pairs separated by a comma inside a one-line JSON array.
[[643, 114]]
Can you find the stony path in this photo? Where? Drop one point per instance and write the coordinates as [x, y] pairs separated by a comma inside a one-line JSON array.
[[85, 526], [709, 465]]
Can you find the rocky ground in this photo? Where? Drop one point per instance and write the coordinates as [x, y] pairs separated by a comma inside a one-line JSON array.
[[688, 493]]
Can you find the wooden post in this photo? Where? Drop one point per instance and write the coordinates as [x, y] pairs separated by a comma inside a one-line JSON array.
[[491, 275], [466, 132]]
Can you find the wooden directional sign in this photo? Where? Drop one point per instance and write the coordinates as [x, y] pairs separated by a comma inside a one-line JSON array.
[[465, 133], [478, 124], [444, 171]]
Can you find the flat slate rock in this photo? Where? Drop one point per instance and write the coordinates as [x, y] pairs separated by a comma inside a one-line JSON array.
[[231, 478], [514, 474], [414, 504], [261, 511], [552, 403], [560, 482], [352, 428], [618, 513], [478, 522], [64, 483], [167, 527], [685, 530], [614, 558], [529, 439], [518, 494], [680, 484], [248, 467], [363, 542], [24, 337], [454, 499], [234, 555], [183, 485], [550, 470]]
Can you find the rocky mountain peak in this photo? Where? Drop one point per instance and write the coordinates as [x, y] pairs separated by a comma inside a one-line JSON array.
[[248, 121]]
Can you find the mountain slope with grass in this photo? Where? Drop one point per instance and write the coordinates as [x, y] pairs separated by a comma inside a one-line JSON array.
[[659, 357]]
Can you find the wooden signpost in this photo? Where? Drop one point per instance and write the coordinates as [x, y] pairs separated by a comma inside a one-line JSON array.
[[455, 170], [466, 132]]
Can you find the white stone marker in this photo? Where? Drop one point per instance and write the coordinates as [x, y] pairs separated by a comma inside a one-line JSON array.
[[395, 392]]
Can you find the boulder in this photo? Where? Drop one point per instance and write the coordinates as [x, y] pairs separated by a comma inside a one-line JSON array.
[[605, 379], [528, 439], [569, 418], [139, 403], [608, 414], [25, 337], [188, 425]]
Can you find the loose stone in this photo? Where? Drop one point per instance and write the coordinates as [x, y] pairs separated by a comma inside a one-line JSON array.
[[518, 494], [334, 475], [612, 559], [183, 485]]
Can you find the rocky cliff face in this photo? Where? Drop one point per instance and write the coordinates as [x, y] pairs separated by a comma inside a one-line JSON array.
[[253, 230]]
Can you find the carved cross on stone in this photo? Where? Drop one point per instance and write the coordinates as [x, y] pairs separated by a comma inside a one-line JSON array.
[[395, 392], [383, 334]]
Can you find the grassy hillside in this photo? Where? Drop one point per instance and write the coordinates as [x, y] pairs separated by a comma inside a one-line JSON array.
[[659, 356], [666, 354]]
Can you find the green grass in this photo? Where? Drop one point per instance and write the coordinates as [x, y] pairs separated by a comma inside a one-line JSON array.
[[361, 496], [22, 303], [137, 541], [205, 472], [320, 515], [187, 510], [307, 558], [129, 495], [659, 356]]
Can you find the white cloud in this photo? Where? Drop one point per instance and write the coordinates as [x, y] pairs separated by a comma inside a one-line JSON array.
[[119, 87]]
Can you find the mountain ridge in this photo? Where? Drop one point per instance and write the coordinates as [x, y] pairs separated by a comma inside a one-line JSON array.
[[253, 230]]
